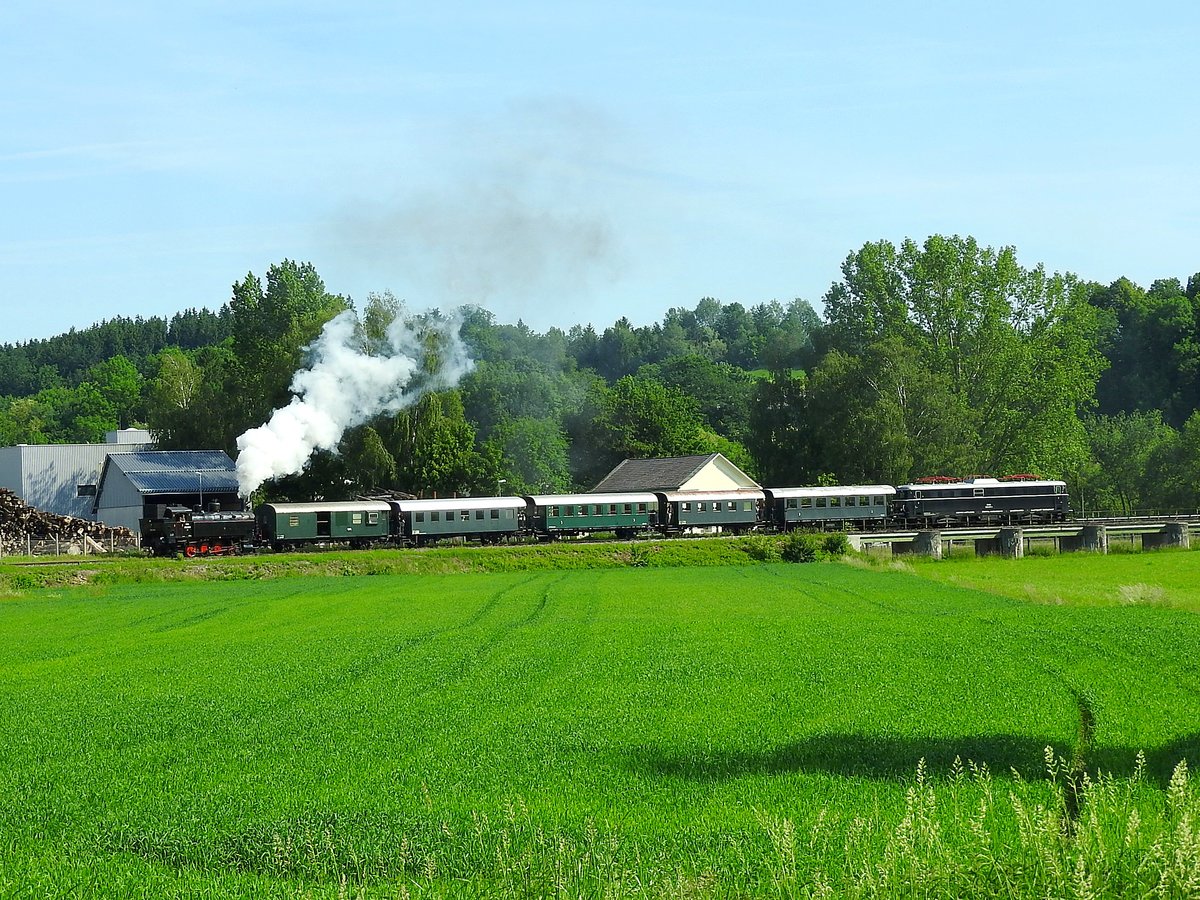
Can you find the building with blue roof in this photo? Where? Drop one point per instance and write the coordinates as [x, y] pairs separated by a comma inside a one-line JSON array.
[[133, 484]]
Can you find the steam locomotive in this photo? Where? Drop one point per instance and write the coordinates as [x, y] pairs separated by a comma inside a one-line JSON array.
[[927, 503]]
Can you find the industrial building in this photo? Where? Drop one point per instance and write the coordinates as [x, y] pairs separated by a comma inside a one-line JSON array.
[[132, 483], [63, 478]]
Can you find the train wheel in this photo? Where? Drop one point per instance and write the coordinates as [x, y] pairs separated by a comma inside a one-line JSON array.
[[189, 551]]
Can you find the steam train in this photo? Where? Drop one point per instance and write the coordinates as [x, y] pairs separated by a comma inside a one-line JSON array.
[[927, 503]]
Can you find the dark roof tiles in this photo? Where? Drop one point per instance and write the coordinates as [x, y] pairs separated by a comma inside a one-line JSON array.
[[653, 474]]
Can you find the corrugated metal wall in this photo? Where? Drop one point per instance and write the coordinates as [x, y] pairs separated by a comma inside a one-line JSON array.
[[48, 475]]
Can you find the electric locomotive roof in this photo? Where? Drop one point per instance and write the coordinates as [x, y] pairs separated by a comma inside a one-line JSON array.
[[981, 482]]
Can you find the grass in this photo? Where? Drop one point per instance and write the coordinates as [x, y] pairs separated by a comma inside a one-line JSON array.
[[25, 574], [1165, 578], [768, 730]]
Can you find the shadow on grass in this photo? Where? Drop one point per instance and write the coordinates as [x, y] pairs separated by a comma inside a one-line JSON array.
[[879, 756]]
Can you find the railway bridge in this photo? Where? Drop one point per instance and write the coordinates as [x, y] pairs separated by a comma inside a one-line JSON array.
[[1094, 535]]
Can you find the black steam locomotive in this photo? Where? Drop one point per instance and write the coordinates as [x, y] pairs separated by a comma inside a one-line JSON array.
[[172, 530]]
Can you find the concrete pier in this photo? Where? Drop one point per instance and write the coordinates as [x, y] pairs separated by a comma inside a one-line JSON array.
[[1011, 542], [1095, 539], [1173, 534], [928, 543]]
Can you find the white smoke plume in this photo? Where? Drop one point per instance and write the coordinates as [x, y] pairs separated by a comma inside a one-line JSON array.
[[343, 387]]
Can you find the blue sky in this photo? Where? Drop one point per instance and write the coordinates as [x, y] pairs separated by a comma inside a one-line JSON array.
[[566, 163]]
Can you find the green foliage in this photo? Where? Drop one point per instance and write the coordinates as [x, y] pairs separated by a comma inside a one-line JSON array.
[[807, 546], [368, 461], [533, 454], [835, 545], [1123, 446], [721, 391], [271, 328], [66, 359], [642, 419], [433, 445], [1152, 342], [949, 357], [760, 547], [192, 399]]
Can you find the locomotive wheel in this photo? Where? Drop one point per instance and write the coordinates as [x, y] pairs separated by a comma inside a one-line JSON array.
[[189, 551]]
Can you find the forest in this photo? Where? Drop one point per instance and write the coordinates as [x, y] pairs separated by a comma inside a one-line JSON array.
[[939, 357]]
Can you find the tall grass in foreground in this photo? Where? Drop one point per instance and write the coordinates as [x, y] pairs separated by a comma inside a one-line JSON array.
[[959, 835], [1004, 845]]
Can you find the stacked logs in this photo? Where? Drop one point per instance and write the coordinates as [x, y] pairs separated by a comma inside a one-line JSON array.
[[20, 524]]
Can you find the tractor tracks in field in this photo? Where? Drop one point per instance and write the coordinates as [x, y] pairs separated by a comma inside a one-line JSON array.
[[470, 652]]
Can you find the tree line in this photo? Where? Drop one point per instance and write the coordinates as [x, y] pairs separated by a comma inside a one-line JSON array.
[[936, 358]]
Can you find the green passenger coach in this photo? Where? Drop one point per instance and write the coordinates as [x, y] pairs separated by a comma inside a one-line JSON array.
[[700, 511], [487, 519], [845, 506], [577, 514], [356, 522]]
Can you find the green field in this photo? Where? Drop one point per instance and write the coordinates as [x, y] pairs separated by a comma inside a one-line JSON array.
[[771, 730]]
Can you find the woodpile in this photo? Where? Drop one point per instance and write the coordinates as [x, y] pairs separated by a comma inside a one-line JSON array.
[[20, 524]]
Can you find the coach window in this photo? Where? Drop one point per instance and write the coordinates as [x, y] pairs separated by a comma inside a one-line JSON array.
[[612, 509], [568, 510], [641, 507], [495, 513], [479, 515], [686, 506], [805, 503], [419, 517], [293, 521], [628, 509], [821, 503], [864, 501], [554, 511], [372, 518], [435, 516], [835, 502], [356, 518]]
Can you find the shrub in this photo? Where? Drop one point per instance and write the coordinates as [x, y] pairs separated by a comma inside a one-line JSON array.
[[760, 547], [835, 546], [807, 546], [801, 547]]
